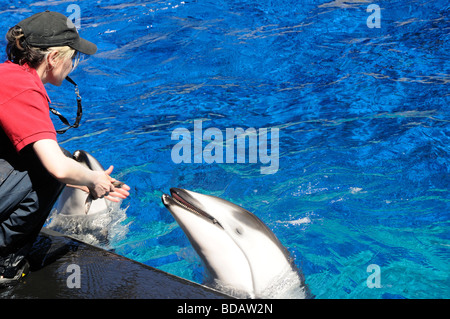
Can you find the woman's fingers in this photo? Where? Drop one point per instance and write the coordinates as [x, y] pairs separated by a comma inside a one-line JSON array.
[[118, 190], [118, 193]]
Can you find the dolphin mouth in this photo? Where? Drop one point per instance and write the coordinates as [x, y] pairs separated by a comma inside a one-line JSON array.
[[183, 199]]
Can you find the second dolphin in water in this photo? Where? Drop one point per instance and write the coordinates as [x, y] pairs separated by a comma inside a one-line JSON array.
[[243, 256]]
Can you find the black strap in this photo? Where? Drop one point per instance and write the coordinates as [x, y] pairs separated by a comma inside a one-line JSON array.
[[79, 111]]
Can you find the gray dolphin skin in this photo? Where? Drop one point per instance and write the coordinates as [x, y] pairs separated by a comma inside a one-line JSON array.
[[73, 201], [242, 255]]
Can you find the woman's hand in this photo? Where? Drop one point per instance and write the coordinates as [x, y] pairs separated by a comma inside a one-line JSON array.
[[103, 187], [120, 190]]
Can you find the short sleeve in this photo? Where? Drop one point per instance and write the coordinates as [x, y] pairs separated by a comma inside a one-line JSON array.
[[26, 119]]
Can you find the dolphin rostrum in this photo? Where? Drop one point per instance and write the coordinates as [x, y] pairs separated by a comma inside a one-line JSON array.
[[243, 256]]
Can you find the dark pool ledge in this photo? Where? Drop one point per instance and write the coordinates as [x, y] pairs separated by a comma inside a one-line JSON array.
[[62, 267]]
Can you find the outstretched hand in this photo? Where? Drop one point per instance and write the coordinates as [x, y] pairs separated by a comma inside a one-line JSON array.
[[119, 189], [106, 187]]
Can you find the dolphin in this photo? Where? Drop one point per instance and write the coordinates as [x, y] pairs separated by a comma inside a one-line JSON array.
[[77, 214], [74, 201], [243, 256]]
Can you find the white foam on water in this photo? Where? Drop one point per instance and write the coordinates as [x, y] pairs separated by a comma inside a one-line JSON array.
[[103, 229]]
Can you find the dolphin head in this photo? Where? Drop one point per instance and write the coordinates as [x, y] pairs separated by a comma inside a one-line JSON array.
[[239, 250], [87, 160]]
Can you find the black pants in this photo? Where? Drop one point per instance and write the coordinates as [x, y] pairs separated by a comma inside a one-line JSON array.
[[27, 195]]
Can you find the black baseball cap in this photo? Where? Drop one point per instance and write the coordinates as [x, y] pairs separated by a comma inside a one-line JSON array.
[[52, 29]]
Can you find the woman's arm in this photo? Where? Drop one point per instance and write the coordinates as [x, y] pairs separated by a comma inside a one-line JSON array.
[[69, 171]]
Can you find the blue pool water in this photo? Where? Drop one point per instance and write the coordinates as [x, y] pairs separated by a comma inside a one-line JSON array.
[[363, 121]]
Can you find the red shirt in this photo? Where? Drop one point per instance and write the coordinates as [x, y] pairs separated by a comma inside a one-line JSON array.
[[24, 110]]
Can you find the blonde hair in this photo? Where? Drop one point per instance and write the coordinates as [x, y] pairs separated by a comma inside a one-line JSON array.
[[65, 53]]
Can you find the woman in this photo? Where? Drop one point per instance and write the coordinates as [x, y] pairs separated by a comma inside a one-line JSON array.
[[33, 168]]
